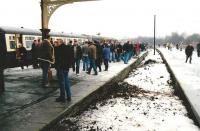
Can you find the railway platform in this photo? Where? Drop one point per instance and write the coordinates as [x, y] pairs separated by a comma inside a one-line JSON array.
[[25, 105], [187, 76]]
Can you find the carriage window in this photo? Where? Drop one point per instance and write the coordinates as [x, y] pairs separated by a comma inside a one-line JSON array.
[[12, 45], [29, 38], [12, 42], [28, 41], [29, 44]]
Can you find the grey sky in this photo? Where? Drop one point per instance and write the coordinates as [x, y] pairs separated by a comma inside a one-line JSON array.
[[118, 18]]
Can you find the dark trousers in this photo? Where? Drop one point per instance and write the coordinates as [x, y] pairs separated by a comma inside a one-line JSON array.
[[45, 67], [118, 56], [77, 64], [2, 88], [106, 64], [198, 53], [98, 64], [23, 62], [188, 56], [35, 63]]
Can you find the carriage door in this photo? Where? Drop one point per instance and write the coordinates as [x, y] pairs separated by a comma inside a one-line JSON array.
[[18, 39]]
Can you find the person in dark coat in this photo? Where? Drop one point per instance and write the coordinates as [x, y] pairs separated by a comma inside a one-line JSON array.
[[113, 48], [46, 58], [99, 55], [119, 52], [22, 56], [72, 47], [35, 54], [77, 56], [126, 49], [188, 51], [106, 56], [198, 49], [63, 61]]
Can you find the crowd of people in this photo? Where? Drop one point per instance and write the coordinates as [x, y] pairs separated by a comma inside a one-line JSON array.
[[65, 56]]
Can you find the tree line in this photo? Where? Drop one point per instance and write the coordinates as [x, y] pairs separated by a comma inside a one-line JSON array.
[[174, 38]]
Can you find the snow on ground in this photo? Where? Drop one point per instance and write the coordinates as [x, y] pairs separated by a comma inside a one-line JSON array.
[[153, 77], [187, 74], [164, 113], [156, 109]]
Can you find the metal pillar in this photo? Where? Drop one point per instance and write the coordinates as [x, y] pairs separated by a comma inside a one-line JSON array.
[[45, 33], [48, 7], [154, 40], [44, 19]]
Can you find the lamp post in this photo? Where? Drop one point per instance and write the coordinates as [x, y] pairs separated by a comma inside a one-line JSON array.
[[154, 39]]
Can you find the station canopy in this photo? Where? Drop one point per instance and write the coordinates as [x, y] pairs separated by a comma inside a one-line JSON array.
[[65, 1]]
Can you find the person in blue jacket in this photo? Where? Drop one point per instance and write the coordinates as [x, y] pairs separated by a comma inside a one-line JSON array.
[[106, 56]]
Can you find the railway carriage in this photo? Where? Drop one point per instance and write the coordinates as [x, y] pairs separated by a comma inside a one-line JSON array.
[[10, 38]]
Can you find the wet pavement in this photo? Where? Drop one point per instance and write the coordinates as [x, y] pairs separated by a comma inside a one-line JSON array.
[[23, 89], [25, 105]]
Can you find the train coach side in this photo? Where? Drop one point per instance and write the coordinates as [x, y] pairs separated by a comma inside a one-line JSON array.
[[12, 37], [2, 50]]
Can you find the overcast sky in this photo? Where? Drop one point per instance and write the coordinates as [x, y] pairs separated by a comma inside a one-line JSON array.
[[118, 18]]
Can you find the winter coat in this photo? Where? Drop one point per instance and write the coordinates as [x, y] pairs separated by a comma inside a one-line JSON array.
[[106, 53], [92, 51], [85, 49], [142, 47], [113, 48], [188, 50], [63, 57], [137, 47], [22, 53], [198, 47], [119, 48], [47, 51], [99, 52], [35, 51], [78, 52], [127, 47]]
